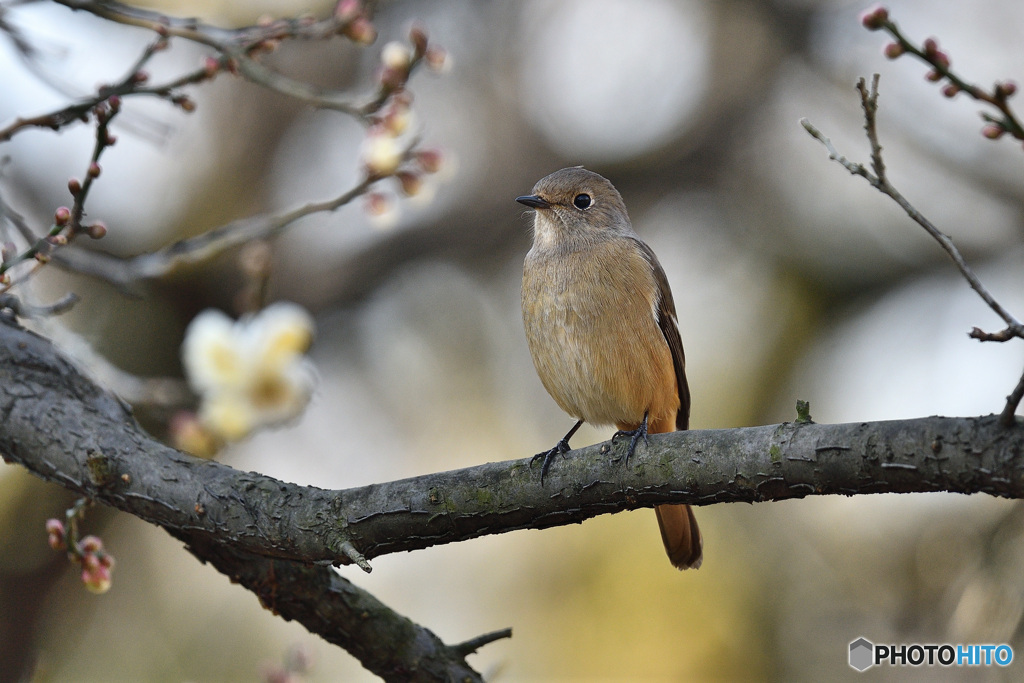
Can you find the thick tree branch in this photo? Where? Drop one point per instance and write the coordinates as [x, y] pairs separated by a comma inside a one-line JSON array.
[[384, 642], [63, 428]]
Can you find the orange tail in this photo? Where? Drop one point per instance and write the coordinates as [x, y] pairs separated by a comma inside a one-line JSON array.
[[679, 530], [681, 536]]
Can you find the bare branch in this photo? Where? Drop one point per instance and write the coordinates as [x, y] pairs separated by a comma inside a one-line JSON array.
[[128, 274], [385, 642], [879, 180]]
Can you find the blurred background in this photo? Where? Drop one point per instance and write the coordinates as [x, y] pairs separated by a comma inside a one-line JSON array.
[[792, 280]]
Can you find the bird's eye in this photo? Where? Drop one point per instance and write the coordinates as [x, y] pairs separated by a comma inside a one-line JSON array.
[[581, 201]]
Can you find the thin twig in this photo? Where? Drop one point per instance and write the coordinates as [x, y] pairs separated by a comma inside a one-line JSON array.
[[880, 181], [473, 644]]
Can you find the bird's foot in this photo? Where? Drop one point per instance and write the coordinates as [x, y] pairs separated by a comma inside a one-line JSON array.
[[561, 448], [634, 437]]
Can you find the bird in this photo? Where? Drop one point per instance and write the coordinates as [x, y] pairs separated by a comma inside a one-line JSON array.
[[601, 327]]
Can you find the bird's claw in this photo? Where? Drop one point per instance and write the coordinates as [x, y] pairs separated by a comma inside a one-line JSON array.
[[561, 448], [634, 436]]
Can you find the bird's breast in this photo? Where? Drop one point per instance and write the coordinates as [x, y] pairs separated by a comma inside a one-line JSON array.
[[590, 323]]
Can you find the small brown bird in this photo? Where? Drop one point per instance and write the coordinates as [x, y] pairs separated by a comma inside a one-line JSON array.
[[601, 326]]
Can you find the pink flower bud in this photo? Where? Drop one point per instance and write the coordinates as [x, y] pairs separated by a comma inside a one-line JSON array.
[[950, 90], [210, 67], [874, 17], [55, 541], [941, 60], [893, 50], [96, 580], [377, 203], [57, 240], [411, 182], [42, 258], [55, 532], [346, 10], [74, 186], [930, 46], [115, 103], [438, 60], [140, 77], [90, 544], [993, 131], [360, 31], [1006, 89], [430, 160], [62, 215], [933, 76], [97, 230], [94, 170]]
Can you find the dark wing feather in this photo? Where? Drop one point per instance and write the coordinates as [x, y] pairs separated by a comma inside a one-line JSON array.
[[667, 322]]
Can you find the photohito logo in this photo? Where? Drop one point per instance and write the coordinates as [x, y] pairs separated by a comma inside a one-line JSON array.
[[864, 654]]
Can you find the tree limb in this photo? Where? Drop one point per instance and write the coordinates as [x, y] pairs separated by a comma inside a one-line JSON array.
[[385, 642], [63, 428]]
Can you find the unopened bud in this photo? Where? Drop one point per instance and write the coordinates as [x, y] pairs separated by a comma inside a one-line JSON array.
[[411, 182], [115, 103], [346, 10], [951, 90], [438, 60], [90, 544], [941, 60], [94, 170], [930, 46], [186, 103], [57, 240], [893, 50], [96, 231], [54, 526], [360, 31], [140, 77], [430, 160], [874, 17], [110, 139], [933, 76], [61, 216], [42, 258], [377, 203], [74, 186], [211, 66], [1006, 89], [993, 131]]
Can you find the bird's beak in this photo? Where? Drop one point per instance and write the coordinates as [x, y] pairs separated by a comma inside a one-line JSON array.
[[534, 201]]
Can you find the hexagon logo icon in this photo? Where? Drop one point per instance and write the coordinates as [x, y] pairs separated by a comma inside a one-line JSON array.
[[862, 654]]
